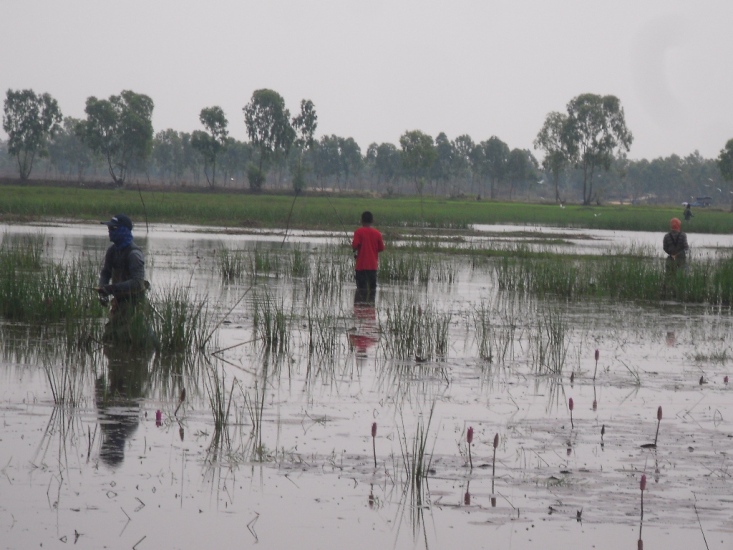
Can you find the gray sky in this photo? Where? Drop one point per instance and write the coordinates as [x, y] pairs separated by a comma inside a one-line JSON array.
[[376, 69]]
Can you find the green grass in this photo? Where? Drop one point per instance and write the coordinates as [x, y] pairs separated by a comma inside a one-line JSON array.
[[311, 211], [624, 278]]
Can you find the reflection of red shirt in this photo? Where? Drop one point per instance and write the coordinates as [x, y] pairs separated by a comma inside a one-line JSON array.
[[368, 242]]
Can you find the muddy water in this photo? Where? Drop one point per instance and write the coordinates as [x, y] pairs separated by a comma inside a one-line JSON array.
[[295, 465]]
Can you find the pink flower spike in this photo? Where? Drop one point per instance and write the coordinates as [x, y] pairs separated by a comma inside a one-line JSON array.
[[659, 413], [158, 418], [725, 380], [374, 429], [469, 435], [496, 441], [598, 354], [595, 405], [642, 484], [570, 403]]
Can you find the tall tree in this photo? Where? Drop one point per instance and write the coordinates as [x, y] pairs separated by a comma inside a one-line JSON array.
[[304, 124], [211, 144], [269, 130], [168, 155], [30, 120], [67, 152], [443, 167], [120, 129], [725, 164], [520, 169], [418, 155], [463, 145], [496, 157], [596, 131], [551, 140], [350, 158], [387, 162], [326, 158]]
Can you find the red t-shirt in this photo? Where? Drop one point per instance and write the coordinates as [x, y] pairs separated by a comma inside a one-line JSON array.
[[368, 243]]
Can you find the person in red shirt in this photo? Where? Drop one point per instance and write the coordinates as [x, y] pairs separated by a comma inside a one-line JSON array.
[[367, 245]]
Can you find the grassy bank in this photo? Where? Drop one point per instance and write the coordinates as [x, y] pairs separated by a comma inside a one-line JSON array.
[[337, 212]]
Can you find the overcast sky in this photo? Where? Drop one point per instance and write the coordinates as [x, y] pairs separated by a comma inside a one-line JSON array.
[[376, 69]]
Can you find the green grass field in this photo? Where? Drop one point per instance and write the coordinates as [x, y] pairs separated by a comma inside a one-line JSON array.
[[241, 210]]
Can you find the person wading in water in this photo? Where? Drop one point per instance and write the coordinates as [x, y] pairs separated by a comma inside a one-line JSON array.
[[675, 245], [122, 284], [367, 244]]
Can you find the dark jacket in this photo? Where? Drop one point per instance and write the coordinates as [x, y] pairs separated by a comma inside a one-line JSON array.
[[675, 244], [125, 269]]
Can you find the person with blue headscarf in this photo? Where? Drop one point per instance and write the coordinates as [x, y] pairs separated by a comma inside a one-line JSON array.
[[122, 277]]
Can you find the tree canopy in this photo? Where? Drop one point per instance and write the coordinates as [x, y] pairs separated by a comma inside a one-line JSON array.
[[552, 141], [268, 128], [30, 120], [596, 130], [120, 129], [212, 143], [418, 156]]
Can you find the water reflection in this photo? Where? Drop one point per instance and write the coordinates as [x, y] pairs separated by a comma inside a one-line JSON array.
[[118, 395], [365, 313], [671, 339]]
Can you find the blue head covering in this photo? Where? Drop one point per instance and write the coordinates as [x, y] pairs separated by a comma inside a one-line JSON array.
[[121, 236]]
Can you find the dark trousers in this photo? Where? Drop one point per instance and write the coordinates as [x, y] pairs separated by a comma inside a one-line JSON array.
[[366, 283]]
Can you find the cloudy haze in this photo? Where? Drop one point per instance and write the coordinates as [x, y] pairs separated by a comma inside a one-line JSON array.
[[376, 69]]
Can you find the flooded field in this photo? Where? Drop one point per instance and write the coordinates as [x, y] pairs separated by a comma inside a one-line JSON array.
[[314, 419]]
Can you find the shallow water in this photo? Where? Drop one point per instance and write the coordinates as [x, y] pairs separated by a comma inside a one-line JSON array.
[[103, 474]]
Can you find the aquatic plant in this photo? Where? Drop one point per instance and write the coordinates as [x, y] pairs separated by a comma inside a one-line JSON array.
[[469, 441], [596, 368], [66, 381], [493, 460], [481, 315], [232, 264], [642, 486], [374, 443], [271, 323], [415, 333], [659, 421], [549, 342], [254, 403], [570, 406], [328, 273], [23, 252], [405, 268], [220, 403], [180, 320], [324, 336], [299, 265], [416, 461]]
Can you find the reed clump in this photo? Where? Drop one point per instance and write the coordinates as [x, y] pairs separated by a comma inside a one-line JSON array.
[[272, 323], [626, 278], [549, 342], [181, 322], [232, 264], [410, 331]]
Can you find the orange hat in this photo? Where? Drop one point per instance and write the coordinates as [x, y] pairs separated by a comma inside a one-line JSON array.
[[675, 224]]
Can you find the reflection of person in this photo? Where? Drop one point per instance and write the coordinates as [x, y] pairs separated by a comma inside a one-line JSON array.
[[367, 245], [688, 212], [366, 334], [122, 277], [675, 245], [118, 393]]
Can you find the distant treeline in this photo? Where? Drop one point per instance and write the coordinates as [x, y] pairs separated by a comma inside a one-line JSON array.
[[116, 143]]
